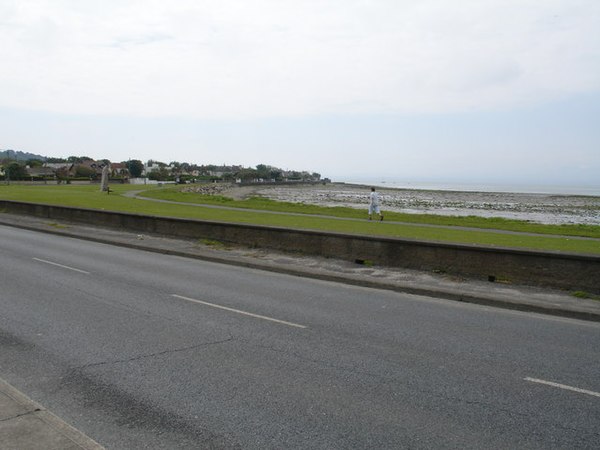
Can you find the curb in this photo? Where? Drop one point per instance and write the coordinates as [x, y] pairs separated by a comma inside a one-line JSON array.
[[46, 429]]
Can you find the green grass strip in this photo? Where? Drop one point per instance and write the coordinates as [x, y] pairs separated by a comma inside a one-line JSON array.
[[89, 196], [173, 193]]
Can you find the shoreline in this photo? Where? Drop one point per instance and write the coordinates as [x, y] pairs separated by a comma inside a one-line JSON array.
[[517, 187], [383, 186], [533, 207]]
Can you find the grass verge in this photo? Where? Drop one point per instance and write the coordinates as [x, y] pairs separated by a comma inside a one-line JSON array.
[[586, 295]]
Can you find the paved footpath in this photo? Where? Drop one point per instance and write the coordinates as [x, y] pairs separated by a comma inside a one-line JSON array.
[[26, 425]]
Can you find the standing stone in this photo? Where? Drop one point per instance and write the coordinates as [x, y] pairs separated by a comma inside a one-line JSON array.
[[104, 182]]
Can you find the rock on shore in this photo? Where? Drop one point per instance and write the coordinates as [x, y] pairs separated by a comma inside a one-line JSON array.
[[543, 208]]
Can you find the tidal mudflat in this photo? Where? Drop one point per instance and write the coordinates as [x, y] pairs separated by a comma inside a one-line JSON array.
[[541, 208]]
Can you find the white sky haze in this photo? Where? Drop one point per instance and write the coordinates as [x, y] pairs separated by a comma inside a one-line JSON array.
[[406, 89]]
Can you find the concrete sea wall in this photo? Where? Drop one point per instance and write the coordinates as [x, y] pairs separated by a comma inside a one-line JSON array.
[[549, 269]]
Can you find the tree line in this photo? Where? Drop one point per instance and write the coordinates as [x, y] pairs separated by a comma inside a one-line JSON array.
[[84, 167]]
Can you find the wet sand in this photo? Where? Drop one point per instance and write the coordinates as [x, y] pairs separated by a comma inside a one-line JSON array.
[[542, 208]]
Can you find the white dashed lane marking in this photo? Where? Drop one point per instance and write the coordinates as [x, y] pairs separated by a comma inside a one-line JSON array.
[[563, 386], [237, 311], [61, 265]]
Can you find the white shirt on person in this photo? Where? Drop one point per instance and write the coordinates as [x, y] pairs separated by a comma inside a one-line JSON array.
[[374, 199]]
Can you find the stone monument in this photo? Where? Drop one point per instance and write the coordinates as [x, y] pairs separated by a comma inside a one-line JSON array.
[[104, 182]]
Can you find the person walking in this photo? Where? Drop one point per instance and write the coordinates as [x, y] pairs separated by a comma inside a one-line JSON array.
[[374, 204]]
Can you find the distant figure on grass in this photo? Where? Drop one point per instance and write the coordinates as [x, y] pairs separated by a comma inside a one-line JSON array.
[[374, 204]]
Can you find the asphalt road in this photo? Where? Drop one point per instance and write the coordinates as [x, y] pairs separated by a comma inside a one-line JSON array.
[[140, 350]]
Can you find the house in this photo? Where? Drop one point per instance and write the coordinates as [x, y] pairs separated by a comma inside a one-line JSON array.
[[89, 167], [62, 170], [40, 171], [152, 166], [59, 166], [119, 170], [96, 166]]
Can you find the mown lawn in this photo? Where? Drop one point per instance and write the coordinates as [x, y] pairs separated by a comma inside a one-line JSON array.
[[89, 196], [173, 193]]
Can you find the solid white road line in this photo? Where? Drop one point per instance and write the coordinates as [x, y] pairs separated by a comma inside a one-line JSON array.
[[60, 265], [238, 311], [563, 386]]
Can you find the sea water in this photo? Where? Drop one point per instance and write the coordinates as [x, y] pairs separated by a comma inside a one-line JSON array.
[[543, 204], [477, 187]]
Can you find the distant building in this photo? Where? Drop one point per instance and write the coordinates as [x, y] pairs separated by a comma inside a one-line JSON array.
[[119, 170], [96, 166], [40, 171], [59, 166], [153, 166], [150, 166], [61, 170]]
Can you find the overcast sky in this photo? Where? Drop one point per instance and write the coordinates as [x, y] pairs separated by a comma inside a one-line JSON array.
[[468, 90]]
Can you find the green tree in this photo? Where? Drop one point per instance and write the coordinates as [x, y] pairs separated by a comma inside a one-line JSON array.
[[84, 172], [135, 167], [263, 171], [276, 174], [62, 173], [34, 162], [15, 171], [78, 159], [247, 174], [162, 174]]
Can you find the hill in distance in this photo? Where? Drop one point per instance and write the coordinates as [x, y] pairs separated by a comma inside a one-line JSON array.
[[19, 155]]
